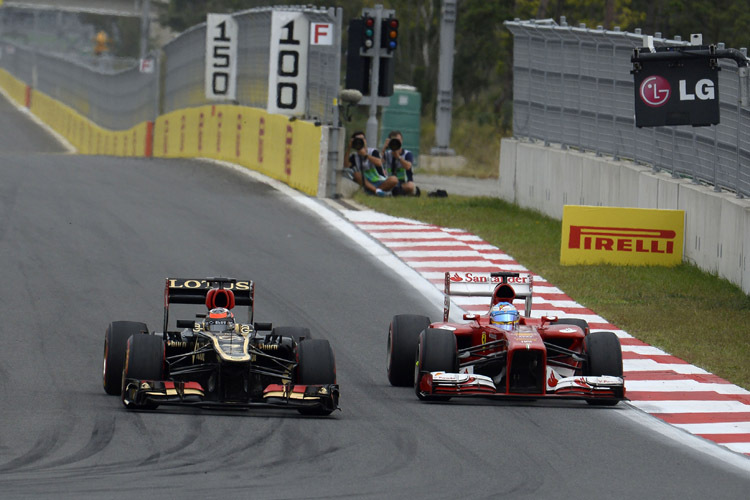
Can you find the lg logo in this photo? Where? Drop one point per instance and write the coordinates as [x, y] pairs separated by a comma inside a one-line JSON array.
[[704, 90], [655, 91]]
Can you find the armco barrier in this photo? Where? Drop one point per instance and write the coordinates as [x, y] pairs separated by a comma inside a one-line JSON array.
[[544, 178], [86, 136], [16, 89], [285, 150], [289, 151]]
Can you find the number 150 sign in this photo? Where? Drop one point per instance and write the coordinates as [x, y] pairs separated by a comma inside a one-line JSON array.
[[221, 57]]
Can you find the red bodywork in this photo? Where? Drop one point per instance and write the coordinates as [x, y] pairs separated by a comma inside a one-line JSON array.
[[541, 357]]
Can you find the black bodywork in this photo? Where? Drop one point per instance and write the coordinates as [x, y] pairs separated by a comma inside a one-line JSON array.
[[253, 364]]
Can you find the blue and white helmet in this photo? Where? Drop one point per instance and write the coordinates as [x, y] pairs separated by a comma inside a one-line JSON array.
[[504, 315]]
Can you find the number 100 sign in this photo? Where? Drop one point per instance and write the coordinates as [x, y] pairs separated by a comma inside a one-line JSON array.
[[221, 57], [287, 69]]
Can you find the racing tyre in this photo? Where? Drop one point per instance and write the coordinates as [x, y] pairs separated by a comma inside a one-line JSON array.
[[315, 366], [115, 345], [298, 333], [436, 352], [604, 358], [580, 323], [144, 361], [403, 337]]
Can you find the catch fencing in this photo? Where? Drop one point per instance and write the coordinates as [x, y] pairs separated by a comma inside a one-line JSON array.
[[572, 86], [115, 94], [184, 63]]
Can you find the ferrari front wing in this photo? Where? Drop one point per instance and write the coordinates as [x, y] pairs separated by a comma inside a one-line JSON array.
[[470, 384]]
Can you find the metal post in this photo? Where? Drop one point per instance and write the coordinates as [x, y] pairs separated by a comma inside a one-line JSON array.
[[372, 120], [563, 24], [545, 120], [145, 27], [742, 91], [157, 82], [597, 98], [445, 80], [578, 73], [334, 152]]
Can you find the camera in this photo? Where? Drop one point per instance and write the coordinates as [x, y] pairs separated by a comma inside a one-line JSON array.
[[394, 144], [358, 143]]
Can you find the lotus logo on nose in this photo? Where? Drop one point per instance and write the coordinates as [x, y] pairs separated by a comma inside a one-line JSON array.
[[655, 91]]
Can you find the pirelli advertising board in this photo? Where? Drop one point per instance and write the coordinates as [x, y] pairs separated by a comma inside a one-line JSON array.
[[621, 236]]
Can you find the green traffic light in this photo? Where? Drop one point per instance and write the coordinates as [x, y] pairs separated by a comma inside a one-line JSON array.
[[368, 33]]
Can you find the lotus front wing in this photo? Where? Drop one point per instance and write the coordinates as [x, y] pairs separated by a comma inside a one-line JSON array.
[[151, 393]]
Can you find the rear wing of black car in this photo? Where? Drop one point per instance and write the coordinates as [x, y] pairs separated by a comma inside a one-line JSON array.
[[503, 286], [196, 291]]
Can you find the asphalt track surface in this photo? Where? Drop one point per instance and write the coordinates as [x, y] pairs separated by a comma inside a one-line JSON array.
[[88, 240]]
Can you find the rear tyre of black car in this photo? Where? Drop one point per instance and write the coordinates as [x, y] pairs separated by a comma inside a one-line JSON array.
[[115, 346], [316, 366], [436, 352], [144, 361], [403, 337], [604, 358], [296, 332]]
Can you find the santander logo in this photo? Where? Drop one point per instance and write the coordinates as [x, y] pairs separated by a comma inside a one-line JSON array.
[[655, 91]]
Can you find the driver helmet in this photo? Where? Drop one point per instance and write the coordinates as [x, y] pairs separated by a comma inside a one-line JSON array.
[[504, 315], [219, 319]]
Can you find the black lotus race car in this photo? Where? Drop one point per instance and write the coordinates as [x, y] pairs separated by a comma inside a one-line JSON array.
[[526, 358], [215, 361]]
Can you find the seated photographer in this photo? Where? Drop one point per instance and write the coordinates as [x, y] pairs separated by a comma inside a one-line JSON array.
[[364, 160], [398, 162]]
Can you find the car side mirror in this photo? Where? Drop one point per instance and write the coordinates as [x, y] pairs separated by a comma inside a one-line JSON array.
[[548, 319], [470, 316]]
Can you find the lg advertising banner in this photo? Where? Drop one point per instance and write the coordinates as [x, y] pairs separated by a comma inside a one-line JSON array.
[[621, 236], [287, 71], [221, 57], [676, 93]]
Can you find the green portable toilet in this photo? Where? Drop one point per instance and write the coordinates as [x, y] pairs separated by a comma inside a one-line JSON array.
[[402, 114]]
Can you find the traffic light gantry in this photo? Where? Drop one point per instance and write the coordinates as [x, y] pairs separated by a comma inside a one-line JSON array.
[[373, 35]]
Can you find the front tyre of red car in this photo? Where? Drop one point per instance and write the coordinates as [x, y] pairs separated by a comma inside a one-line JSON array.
[[316, 365], [115, 346], [436, 352], [604, 355], [403, 336], [144, 360]]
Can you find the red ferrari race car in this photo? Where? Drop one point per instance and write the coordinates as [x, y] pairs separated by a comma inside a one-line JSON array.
[[503, 354], [216, 361]]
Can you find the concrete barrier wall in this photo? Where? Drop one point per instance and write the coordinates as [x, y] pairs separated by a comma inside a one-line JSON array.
[[545, 178]]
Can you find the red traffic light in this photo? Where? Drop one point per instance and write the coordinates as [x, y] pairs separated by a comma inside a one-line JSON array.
[[369, 22], [393, 23]]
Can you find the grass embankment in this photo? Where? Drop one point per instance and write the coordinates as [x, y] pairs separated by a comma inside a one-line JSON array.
[[691, 314]]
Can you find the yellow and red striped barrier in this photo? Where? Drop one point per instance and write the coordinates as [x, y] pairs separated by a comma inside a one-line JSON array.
[[288, 151]]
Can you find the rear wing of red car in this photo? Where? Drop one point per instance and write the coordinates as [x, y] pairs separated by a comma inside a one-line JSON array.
[[197, 290], [499, 286]]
